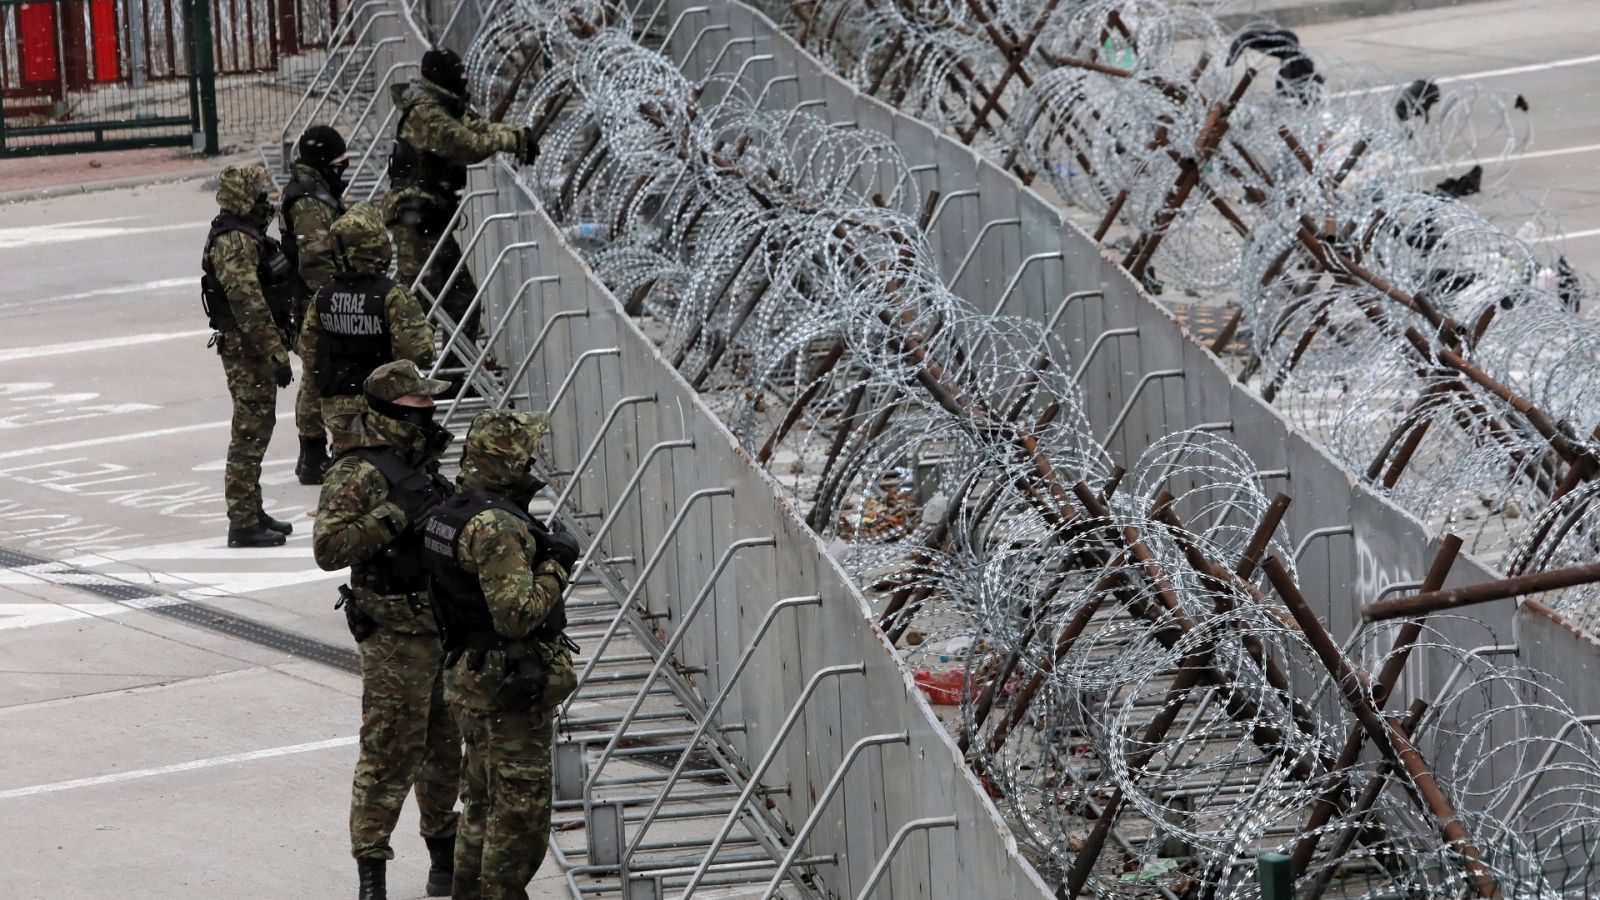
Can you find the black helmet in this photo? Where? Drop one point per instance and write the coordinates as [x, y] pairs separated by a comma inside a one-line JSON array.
[[443, 67], [320, 145]]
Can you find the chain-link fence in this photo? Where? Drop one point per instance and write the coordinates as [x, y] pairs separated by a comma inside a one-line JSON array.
[[80, 75]]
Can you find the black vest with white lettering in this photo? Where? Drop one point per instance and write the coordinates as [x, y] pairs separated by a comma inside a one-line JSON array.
[[354, 327], [459, 605]]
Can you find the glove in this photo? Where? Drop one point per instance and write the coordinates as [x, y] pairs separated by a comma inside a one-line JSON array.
[[284, 374], [529, 143], [557, 545]]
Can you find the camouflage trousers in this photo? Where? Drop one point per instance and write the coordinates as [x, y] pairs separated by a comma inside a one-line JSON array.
[[252, 385], [407, 737], [411, 248], [308, 400], [505, 802]]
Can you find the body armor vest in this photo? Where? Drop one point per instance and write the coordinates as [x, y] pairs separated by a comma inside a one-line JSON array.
[[273, 270], [397, 568], [300, 188], [459, 606], [410, 166], [354, 332]]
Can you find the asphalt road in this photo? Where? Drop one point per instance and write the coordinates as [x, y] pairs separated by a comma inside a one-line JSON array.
[[166, 731]]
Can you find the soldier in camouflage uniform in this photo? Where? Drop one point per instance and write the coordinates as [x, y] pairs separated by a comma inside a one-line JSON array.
[[373, 498], [498, 577], [247, 286], [360, 319], [439, 135], [311, 203]]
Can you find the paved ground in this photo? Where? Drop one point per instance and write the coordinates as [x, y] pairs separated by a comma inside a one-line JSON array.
[[1544, 50], [186, 730], [148, 753]]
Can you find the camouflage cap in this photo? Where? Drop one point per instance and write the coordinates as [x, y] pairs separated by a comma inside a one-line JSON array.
[[361, 239], [500, 443], [401, 378], [239, 187]]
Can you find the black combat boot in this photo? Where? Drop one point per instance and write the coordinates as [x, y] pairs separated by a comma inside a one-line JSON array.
[[372, 884], [313, 461], [278, 525], [254, 536], [442, 850]]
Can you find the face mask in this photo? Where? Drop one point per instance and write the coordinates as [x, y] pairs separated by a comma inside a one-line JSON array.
[[333, 173], [262, 210]]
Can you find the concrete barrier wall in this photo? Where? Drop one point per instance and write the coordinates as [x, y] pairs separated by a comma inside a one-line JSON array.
[[886, 787], [1385, 548]]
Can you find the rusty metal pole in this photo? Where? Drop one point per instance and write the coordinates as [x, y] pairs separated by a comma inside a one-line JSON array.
[[1427, 602], [1385, 734]]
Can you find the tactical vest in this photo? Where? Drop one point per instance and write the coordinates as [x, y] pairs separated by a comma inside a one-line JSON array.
[[459, 606], [300, 188], [397, 568], [354, 328], [411, 166], [273, 270]]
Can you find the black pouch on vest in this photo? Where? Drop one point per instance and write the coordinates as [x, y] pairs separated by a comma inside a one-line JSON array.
[[361, 625], [524, 681]]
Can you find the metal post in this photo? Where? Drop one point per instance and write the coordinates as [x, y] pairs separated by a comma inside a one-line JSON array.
[[711, 710], [1276, 882], [976, 243], [205, 68], [494, 334], [572, 373], [789, 721], [1016, 278], [665, 659], [1094, 349], [619, 504], [538, 344], [594, 447], [882, 868], [1116, 424], [821, 804], [639, 582]]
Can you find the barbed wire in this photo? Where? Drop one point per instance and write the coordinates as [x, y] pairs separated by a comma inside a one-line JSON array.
[[1147, 712]]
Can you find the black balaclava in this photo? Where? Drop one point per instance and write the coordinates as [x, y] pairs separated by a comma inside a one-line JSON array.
[[318, 148], [261, 211], [433, 438], [444, 68]]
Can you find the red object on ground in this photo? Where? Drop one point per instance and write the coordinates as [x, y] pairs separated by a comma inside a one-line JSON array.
[[103, 25], [943, 688]]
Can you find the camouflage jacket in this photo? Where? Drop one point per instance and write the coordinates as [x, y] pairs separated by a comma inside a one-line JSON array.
[[234, 256], [313, 221], [442, 123], [521, 592], [356, 520]]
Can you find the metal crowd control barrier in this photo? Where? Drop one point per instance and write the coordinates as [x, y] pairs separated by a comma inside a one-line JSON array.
[[708, 586]]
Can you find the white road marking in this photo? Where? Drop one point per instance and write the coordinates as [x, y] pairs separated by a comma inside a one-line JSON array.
[[1571, 235], [97, 344], [1486, 73], [160, 285], [32, 615], [1515, 157], [116, 439], [40, 235], [213, 762]]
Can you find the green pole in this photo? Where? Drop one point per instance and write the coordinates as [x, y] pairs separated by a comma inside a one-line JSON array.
[[206, 69], [1276, 881]]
